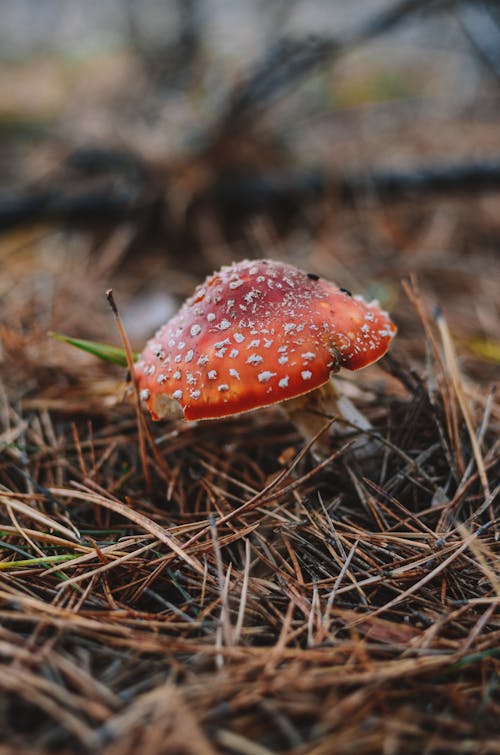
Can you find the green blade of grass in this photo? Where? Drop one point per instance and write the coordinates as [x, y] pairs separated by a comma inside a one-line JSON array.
[[104, 351], [39, 561], [475, 658], [485, 348]]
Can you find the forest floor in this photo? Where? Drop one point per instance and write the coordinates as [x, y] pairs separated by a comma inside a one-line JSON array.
[[226, 592]]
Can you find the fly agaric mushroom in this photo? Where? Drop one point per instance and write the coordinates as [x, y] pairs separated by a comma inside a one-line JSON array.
[[257, 333]]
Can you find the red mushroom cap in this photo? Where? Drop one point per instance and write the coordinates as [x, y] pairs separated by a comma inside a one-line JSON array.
[[256, 333]]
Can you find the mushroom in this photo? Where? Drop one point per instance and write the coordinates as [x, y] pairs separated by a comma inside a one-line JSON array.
[[257, 333]]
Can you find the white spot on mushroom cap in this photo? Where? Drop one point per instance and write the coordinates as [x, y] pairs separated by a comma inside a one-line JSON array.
[[195, 329], [212, 374], [239, 337], [211, 316], [234, 373], [251, 295], [224, 325], [177, 395], [306, 374], [283, 360], [195, 394], [283, 383], [189, 355], [265, 376], [255, 359], [145, 394], [223, 387], [233, 353]]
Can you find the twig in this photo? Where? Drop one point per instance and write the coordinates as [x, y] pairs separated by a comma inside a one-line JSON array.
[[138, 408]]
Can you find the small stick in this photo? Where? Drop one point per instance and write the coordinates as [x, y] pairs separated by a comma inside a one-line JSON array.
[[133, 378]]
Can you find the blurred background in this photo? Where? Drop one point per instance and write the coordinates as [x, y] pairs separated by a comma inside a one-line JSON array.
[[142, 145]]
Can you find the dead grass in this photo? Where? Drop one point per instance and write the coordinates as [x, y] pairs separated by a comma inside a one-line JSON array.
[[240, 598]]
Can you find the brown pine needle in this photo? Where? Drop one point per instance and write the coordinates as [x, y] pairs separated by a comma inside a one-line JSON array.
[[451, 364]]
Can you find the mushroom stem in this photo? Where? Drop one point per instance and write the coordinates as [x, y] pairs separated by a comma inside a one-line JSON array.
[[310, 412]]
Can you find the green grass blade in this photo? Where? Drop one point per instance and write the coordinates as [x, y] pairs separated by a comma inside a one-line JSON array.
[[39, 561], [103, 351]]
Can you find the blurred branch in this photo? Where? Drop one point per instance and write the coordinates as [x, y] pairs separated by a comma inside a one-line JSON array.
[[261, 191], [77, 207], [290, 60], [390, 17], [493, 9], [119, 179], [489, 59], [246, 194]]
